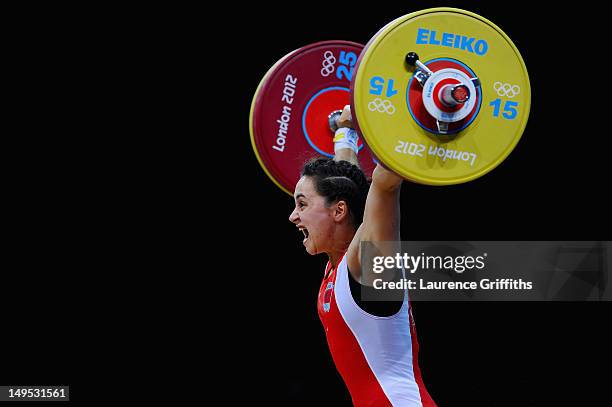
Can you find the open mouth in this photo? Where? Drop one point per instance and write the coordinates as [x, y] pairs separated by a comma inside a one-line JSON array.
[[305, 232]]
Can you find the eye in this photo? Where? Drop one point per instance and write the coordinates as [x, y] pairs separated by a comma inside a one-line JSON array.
[[301, 204]]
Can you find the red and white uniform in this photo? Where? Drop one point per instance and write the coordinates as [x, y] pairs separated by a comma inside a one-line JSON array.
[[376, 356]]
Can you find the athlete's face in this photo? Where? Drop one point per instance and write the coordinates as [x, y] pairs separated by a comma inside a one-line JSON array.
[[312, 217]]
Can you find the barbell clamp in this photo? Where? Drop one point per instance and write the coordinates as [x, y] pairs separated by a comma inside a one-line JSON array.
[[442, 126], [422, 72]]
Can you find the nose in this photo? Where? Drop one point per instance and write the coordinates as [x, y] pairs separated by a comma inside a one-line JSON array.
[[294, 218]]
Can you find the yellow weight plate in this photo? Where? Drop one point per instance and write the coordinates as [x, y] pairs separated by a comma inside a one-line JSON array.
[[442, 37]]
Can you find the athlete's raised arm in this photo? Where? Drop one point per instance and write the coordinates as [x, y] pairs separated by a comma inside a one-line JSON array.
[[381, 220]]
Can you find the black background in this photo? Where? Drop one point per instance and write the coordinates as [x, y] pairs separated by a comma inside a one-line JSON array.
[[109, 178], [549, 188]]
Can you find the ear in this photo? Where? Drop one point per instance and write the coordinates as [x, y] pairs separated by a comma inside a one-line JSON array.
[[341, 211]]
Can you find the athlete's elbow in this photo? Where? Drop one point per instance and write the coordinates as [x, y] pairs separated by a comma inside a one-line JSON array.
[[385, 180]]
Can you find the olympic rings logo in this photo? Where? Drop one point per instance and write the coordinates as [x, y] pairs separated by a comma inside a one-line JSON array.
[[328, 63], [381, 106], [505, 89]]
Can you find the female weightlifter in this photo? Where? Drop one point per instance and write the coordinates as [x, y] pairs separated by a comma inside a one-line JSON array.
[[373, 343]]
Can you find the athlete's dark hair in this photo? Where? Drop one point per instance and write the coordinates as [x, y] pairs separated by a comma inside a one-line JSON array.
[[339, 181]]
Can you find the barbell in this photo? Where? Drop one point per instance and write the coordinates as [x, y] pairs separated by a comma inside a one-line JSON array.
[[440, 96]]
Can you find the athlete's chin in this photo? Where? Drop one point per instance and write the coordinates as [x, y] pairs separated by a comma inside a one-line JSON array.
[[311, 250]]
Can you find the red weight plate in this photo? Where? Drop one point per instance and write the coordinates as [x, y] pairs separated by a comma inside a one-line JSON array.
[[289, 122]]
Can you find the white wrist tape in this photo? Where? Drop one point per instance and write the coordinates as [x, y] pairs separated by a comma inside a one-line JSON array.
[[346, 138]]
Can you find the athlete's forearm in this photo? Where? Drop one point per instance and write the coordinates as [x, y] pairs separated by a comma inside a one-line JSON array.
[[345, 138], [346, 154]]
